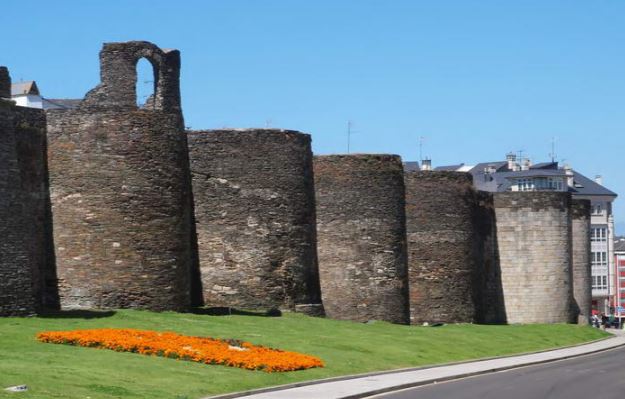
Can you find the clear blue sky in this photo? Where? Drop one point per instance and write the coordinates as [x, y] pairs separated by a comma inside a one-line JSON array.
[[476, 78]]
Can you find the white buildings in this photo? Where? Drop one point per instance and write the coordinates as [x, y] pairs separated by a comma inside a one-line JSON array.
[[26, 94], [619, 261], [510, 175]]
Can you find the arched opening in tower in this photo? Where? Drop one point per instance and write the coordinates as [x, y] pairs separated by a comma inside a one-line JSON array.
[[146, 82]]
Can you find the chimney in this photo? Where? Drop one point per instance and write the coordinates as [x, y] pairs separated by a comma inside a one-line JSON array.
[[599, 179], [568, 171], [5, 83], [527, 164], [426, 164], [511, 158]]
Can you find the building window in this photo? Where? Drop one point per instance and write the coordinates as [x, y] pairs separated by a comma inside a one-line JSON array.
[[597, 209], [539, 184], [525, 184], [599, 282], [599, 234]]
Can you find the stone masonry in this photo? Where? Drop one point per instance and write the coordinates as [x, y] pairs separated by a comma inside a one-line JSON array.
[[121, 189], [24, 212], [255, 219], [362, 237], [582, 284], [534, 241], [99, 213], [487, 289], [442, 248]]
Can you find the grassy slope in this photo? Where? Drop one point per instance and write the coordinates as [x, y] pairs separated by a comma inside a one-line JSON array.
[[59, 371]]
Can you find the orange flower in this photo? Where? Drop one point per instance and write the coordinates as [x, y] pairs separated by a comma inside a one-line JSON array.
[[198, 349]]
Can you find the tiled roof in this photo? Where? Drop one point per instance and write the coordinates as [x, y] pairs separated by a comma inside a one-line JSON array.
[[586, 186], [496, 177], [60, 103], [412, 166], [21, 88], [450, 168]]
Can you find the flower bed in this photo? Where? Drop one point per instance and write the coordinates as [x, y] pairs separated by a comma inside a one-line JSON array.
[[198, 349]]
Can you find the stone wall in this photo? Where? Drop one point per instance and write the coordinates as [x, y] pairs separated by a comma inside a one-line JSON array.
[[5, 83], [362, 237], [255, 219], [442, 247], [488, 292], [120, 189], [534, 244], [24, 208], [582, 283]]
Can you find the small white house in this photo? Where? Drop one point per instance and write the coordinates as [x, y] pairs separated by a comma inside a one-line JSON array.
[[26, 94]]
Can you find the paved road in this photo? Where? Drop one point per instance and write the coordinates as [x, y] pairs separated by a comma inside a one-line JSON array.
[[600, 376]]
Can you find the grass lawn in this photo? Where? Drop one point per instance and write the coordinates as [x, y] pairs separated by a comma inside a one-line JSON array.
[[62, 371]]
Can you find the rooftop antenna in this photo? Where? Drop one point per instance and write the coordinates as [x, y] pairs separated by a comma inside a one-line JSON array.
[[350, 124], [421, 141], [520, 157], [553, 150]]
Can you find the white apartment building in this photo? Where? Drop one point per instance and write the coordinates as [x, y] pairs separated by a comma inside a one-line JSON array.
[[510, 175]]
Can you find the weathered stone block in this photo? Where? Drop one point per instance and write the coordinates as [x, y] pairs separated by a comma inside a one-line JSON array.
[[255, 219], [121, 191], [534, 245], [24, 207], [361, 230], [582, 283], [442, 246]]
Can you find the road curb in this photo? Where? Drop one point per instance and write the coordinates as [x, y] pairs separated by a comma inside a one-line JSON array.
[[242, 394], [474, 374]]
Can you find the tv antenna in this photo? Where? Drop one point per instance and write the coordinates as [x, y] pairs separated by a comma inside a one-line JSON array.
[[350, 131], [552, 154], [421, 142]]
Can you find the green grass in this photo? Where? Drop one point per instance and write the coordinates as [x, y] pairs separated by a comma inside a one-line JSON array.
[[61, 371]]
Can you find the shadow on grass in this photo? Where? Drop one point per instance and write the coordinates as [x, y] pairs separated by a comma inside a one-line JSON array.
[[76, 314], [226, 311]]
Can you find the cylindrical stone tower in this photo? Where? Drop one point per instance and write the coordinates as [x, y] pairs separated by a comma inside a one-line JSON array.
[[487, 290], [121, 189], [255, 219], [24, 206], [442, 244], [534, 243], [582, 285], [361, 232]]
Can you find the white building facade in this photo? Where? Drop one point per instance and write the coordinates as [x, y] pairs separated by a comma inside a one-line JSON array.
[[510, 175]]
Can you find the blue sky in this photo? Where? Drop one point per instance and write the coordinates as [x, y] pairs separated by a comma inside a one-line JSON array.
[[477, 79]]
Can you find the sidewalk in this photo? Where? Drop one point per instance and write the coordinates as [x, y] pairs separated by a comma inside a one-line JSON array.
[[367, 385]]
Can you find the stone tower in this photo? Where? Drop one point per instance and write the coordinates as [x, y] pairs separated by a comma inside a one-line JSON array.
[[121, 190], [255, 219], [534, 245], [24, 205], [442, 241], [582, 285], [361, 230]]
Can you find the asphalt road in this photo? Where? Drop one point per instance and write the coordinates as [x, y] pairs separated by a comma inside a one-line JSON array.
[[599, 376]]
